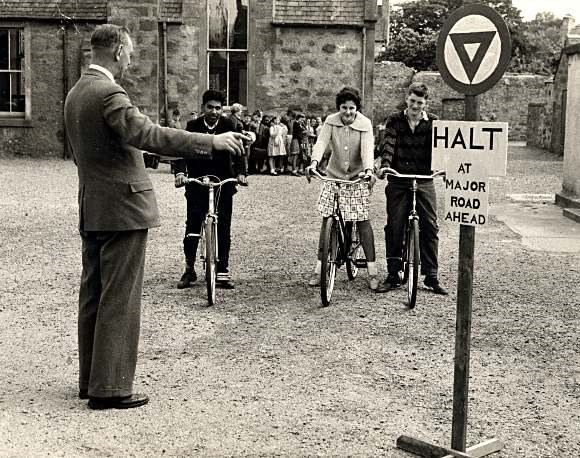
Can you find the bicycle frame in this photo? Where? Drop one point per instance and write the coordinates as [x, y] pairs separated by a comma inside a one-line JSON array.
[[410, 250], [344, 238], [413, 215], [211, 256]]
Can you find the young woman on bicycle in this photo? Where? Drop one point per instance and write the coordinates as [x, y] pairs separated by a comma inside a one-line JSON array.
[[350, 136]]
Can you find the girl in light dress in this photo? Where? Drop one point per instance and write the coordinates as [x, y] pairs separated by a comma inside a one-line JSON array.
[[277, 145]]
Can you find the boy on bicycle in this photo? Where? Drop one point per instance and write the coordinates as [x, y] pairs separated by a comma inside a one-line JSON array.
[[406, 147], [222, 166]]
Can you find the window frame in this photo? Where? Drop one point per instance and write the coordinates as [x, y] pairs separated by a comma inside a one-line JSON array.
[[207, 51], [20, 118]]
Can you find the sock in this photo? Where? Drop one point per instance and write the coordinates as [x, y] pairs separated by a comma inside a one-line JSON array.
[[372, 268], [318, 267]]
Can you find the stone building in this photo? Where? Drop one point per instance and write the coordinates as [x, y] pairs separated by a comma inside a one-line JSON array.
[[547, 114], [268, 54]]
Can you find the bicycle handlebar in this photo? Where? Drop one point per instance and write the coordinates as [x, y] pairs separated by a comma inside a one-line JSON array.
[[206, 181], [316, 174], [389, 171]]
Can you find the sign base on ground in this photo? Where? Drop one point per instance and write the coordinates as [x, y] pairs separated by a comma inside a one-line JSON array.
[[425, 449]]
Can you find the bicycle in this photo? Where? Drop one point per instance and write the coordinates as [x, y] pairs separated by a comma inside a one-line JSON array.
[[208, 234], [411, 257], [341, 244]]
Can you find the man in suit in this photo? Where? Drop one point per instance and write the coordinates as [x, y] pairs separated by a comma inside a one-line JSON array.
[[117, 206]]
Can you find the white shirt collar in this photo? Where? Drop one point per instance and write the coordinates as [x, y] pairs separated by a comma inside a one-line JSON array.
[[423, 115], [103, 70]]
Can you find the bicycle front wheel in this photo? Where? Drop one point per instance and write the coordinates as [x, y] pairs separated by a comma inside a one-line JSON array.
[[413, 262], [355, 256], [329, 257], [210, 259]]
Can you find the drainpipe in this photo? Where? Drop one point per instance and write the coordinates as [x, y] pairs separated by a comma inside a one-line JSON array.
[[65, 149], [165, 101], [364, 62]]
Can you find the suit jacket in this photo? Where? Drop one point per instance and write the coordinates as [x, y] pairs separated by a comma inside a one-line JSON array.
[[106, 134]]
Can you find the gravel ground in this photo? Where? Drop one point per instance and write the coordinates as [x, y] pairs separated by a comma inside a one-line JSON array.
[[268, 372]]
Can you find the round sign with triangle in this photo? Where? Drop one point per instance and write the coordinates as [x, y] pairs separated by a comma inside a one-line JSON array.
[[473, 49]]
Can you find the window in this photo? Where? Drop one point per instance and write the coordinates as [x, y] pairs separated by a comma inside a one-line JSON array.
[[227, 56], [12, 88]]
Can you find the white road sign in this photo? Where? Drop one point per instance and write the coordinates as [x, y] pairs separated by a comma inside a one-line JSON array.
[[474, 142]]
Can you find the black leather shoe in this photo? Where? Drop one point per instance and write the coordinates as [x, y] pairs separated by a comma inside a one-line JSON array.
[[83, 394], [125, 402], [389, 284], [188, 277], [432, 282]]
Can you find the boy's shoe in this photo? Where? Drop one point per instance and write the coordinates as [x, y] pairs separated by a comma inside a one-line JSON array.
[[295, 173], [314, 280], [188, 277], [432, 282], [224, 281], [391, 282], [374, 282]]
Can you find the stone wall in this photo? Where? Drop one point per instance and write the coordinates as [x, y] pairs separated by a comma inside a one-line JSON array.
[[306, 68], [140, 82], [46, 134], [558, 108], [539, 131], [507, 101], [571, 180]]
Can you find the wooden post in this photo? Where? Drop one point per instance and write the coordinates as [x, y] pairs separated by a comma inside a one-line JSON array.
[[463, 320]]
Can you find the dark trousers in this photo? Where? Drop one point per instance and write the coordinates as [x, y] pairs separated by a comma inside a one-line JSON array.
[[196, 209], [110, 310], [399, 201]]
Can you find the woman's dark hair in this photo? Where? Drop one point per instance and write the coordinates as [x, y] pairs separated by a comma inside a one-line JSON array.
[[346, 94]]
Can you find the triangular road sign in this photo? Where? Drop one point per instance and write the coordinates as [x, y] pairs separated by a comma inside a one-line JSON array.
[[483, 39]]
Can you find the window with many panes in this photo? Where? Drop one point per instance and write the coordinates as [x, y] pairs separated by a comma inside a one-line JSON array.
[[227, 52], [12, 88]]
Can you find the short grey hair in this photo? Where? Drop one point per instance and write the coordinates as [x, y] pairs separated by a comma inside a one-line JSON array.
[[236, 107], [109, 36]]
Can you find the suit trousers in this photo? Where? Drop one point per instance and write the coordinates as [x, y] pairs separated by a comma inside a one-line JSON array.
[[399, 201], [197, 203], [110, 310]]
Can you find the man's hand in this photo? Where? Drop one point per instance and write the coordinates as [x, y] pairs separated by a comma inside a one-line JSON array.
[[180, 180], [308, 170], [230, 141], [381, 173]]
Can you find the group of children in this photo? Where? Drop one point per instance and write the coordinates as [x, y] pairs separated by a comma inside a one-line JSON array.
[[283, 143]]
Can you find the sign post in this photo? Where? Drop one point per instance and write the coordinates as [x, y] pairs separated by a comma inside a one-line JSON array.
[[473, 51]]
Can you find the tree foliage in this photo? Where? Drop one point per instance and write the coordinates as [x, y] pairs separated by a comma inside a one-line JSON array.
[[415, 26]]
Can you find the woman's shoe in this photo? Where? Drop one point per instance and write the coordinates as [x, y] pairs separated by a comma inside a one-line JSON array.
[[374, 282], [273, 172]]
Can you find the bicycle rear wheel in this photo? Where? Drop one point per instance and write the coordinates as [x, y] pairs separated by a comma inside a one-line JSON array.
[[413, 261], [355, 251], [210, 259], [329, 257]]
